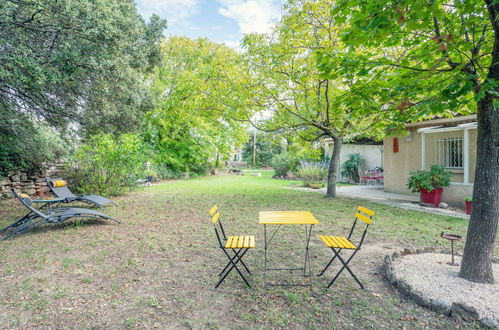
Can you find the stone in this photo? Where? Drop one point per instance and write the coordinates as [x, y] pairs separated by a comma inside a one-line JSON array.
[[395, 255], [440, 306], [409, 251], [404, 288], [185, 175], [464, 312], [23, 177], [418, 298], [42, 190], [419, 251], [489, 322], [30, 191], [388, 260], [290, 176], [15, 178], [214, 171], [443, 205], [429, 249]]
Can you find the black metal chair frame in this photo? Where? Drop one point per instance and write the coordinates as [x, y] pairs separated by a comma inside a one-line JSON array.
[[336, 254], [36, 218], [233, 260]]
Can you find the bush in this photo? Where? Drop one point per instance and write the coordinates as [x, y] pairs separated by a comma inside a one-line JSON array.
[[436, 177], [165, 172], [312, 172], [25, 143], [350, 167], [107, 165], [283, 164]]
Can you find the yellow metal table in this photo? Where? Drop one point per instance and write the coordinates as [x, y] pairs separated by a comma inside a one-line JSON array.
[[281, 218]]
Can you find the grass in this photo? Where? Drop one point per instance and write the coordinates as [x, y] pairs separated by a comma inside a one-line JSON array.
[[159, 267]]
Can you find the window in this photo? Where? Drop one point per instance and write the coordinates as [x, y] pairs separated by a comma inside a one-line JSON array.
[[450, 152]]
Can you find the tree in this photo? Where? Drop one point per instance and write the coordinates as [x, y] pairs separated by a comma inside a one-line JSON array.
[[188, 127], [437, 58], [288, 86], [77, 61], [266, 147]]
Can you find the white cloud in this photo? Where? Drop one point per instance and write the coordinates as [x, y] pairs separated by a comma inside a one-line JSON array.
[[252, 15], [175, 11], [232, 44]]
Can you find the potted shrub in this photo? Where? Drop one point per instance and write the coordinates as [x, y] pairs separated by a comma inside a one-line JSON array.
[[469, 202], [429, 183]]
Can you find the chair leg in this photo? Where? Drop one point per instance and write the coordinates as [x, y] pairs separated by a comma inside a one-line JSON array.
[[234, 262], [345, 266], [327, 266], [229, 263]]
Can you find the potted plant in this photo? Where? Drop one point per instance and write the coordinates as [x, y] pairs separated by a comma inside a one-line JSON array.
[[429, 183], [469, 202]]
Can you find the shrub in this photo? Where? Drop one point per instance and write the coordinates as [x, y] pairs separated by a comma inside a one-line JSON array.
[[312, 172], [165, 172], [107, 165], [436, 177], [283, 164], [350, 167]]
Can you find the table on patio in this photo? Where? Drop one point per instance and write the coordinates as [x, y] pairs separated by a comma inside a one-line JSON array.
[[281, 218]]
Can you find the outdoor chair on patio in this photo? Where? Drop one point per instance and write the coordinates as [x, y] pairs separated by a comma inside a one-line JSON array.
[[239, 245], [35, 218], [338, 243], [60, 189]]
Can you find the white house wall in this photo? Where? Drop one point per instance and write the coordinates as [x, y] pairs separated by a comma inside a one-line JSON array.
[[372, 155]]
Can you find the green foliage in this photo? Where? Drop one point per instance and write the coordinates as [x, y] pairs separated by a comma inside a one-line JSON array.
[[283, 163], [26, 144], [77, 60], [436, 177], [312, 172], [164, 172], [188, 128], [351, 167], [107, 165], [266, 147], [468, 199]]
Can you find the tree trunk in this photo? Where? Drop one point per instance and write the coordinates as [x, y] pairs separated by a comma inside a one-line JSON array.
[[333, 168], [476, 265]]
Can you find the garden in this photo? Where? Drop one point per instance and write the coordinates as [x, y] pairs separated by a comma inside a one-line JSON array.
[[159, 267], [129, 130]]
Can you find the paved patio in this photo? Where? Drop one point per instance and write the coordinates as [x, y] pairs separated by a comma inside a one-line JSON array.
[[376, 194]]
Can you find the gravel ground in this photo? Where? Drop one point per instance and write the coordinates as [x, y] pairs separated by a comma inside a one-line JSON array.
[[430, 274]]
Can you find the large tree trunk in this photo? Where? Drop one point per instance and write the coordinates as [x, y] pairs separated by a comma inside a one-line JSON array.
[[476, 265], [333, 168]]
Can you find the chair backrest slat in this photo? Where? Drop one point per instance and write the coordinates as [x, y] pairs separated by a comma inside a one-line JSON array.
[[215, 218], [366, 210], [213, 210], [363, 218]]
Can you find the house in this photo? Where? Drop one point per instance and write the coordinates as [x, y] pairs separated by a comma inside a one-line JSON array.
[[450, 142], [370, 151]]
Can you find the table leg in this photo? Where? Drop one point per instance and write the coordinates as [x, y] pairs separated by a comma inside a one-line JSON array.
[[265, 247]]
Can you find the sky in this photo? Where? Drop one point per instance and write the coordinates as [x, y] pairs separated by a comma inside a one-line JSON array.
[[219, 20]]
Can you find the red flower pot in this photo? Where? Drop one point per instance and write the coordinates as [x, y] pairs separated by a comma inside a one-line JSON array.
[[468, 207], [431, 197]]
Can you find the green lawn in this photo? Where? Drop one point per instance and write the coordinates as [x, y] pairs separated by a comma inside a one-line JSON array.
[[159, 267]]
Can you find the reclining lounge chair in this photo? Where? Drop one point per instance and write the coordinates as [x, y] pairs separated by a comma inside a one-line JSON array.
[[60, 189], [36, 218]]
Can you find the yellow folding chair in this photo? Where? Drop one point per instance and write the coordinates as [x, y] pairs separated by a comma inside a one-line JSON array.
[[239, 245], [338, 243]]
